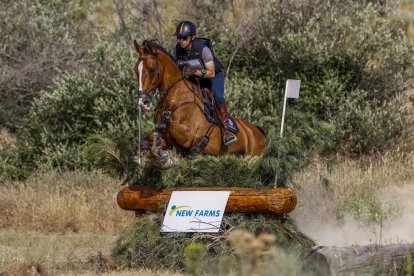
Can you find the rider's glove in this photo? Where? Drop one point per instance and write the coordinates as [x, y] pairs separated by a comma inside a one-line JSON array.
[[188, 71]]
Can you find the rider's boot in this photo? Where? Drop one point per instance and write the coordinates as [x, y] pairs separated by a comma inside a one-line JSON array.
[[228, 136]]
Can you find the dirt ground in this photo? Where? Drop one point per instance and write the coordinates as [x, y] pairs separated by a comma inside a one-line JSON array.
[[350, 231]]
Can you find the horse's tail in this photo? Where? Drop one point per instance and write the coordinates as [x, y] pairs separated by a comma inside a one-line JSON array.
[[261, 130]]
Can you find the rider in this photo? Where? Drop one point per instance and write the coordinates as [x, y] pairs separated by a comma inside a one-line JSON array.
[[190, 47]]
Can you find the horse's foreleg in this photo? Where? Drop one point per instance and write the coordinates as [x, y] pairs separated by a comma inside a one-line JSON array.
[[153, 139], [158, 146]]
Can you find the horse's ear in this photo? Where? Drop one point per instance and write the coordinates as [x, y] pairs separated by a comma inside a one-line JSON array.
[[138, 48]]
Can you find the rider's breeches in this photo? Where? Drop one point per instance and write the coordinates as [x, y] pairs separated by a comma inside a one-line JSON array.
[[216, 85]]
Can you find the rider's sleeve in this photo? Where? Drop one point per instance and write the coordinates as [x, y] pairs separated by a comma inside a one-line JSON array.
[[206, 55]]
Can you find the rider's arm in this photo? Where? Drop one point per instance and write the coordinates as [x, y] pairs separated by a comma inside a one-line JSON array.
[[208, 60], [210, 70]]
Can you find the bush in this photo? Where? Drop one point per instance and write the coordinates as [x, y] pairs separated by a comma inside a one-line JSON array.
[[371, 128], [142, 245], [257, 101], [39, 40], [344, 53], [102, 100]]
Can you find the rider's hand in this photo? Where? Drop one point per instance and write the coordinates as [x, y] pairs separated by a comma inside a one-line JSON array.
[[188, 71]]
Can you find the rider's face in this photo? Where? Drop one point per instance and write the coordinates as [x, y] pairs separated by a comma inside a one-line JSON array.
[[185, 42]]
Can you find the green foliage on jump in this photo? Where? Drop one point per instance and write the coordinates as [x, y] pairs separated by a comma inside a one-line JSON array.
[[144, 246], [303, 137], [116, 158]]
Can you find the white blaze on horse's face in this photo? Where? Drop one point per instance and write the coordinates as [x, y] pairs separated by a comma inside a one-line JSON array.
[[143, 101], [140, 66]]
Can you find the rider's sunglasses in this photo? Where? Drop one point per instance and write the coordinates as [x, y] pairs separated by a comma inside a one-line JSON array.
[[182, 38]]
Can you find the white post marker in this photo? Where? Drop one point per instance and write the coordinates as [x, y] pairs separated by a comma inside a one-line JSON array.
[[291, 91], [139, 134]]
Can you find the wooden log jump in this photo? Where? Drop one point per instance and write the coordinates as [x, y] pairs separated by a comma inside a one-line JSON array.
[[243, 200]]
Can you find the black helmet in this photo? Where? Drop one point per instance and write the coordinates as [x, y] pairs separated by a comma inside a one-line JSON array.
[[185, 28]]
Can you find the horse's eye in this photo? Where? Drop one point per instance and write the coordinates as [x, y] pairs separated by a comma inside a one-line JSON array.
[[152, 70]]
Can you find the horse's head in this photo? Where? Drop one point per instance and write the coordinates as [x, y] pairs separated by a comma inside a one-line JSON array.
[[149, 71]]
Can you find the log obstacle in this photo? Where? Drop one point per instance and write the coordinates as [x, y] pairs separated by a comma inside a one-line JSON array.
[[243, 200], [371, 259]]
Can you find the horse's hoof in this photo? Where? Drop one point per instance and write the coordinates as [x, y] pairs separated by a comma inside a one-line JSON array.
[[168, 164], [164, 158], [161, 126], [196, 150], [145, 145]]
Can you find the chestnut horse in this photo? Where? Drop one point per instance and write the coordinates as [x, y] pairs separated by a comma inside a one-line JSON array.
[[180, 119]]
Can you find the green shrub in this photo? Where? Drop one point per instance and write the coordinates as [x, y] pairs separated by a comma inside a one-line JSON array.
[[116, 157], [193, 258], [10, 167], [102, 100], [343, 52], [382, 124], [254, 100], [39, 40]]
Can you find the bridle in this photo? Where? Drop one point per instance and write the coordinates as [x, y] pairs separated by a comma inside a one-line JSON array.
[[156, 83]]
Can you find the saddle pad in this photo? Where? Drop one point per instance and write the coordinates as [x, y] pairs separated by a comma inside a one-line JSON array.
[[232, 125], [208, 112]]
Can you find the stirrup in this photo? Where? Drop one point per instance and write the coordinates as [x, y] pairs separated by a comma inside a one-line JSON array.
[[232, 138]]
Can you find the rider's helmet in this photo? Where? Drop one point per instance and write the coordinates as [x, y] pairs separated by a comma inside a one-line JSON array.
[[185, 29]]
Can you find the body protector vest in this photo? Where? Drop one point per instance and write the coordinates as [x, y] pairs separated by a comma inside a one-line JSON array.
[[196, 52]]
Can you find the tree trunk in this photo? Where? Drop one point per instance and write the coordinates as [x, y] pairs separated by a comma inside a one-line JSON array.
[[391, 259], [277, 200]]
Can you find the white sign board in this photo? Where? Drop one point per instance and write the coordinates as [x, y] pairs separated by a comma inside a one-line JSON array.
[[195, 211], [292, 88]]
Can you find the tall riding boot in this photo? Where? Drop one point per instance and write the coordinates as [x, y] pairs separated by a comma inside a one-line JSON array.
[[228, 137]]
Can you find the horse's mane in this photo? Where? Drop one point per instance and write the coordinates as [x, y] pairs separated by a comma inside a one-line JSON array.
[[149, 45]]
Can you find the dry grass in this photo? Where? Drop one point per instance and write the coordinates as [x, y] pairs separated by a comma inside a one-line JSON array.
[[22, 252], [60, 254], [63, 202], [6, 139], [341, 181], [62, 224]]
